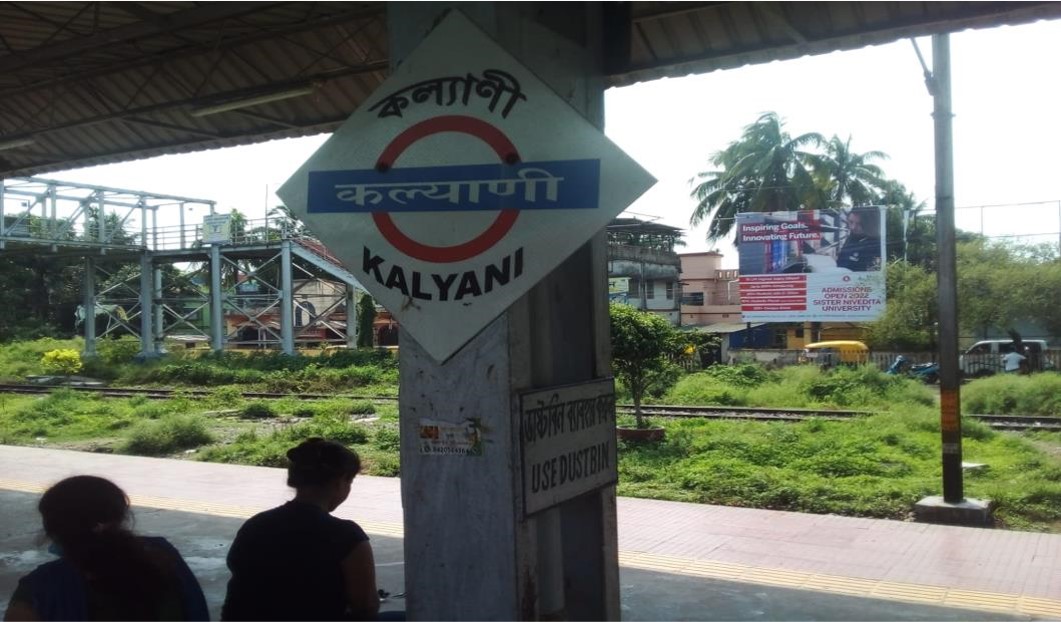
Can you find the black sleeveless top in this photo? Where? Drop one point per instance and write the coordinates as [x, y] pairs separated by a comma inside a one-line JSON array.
[[286, 565]]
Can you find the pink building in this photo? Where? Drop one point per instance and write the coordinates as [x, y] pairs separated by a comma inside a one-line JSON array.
[[710, 295]]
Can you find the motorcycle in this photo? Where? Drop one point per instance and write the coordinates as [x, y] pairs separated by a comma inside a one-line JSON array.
[[926, 372]]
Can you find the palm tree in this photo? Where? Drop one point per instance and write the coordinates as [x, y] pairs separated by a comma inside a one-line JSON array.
[[848, 177], [765, 170], [911, 235]]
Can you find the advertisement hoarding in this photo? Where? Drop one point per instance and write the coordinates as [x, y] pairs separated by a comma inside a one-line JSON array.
[[812, 265]]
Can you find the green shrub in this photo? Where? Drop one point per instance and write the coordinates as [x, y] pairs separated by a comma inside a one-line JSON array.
[[329, 426], [742, 375], [387, 438], [304, 412], [361, 408], [249, 448], [1009, 394], [151, 410], [383, 465], [167, 435], [120, 351], [704, 389], [257, 410], [55, 409], [225, 397], [63, 361], [19, 359]]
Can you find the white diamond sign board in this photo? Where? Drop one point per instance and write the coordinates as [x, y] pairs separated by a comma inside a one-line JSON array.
[[458, 185]]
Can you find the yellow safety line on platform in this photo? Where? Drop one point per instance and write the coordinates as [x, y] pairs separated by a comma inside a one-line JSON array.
[[848, 586]]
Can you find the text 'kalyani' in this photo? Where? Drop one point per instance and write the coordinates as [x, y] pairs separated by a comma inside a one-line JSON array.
[[443, 287]]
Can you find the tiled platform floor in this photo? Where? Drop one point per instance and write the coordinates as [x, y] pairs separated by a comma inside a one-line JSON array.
[[990, 570]]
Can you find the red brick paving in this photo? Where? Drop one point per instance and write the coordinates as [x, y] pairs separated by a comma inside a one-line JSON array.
[[1019, 563]]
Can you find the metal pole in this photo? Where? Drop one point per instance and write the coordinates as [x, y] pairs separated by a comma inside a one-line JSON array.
[[88, 305], [102, 230], [156, 292], [287, 330], [182, 224], [351, 317], [147, 342], [53, 202], [217, 317], [143, 228], [950, 411]]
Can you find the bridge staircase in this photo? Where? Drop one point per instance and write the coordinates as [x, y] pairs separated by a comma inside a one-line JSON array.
[[267, 271]]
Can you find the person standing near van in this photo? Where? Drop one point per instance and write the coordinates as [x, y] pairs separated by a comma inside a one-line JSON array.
[[1012, 360]]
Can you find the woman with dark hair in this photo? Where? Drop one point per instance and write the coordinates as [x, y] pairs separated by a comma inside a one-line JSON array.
[[104, 572], [297, 561]]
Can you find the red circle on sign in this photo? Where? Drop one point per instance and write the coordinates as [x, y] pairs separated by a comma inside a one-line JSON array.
[[482, 130]]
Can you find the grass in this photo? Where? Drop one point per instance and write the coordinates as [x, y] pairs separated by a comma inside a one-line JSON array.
[[365, 372], [1037, 394], [863, 388], [138, 426], [876, 466], [169, 434]]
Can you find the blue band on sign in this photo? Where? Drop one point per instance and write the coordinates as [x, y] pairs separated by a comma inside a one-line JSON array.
[[566, 184]]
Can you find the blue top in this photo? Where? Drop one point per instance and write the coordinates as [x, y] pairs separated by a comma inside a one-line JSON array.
[[58, 591]]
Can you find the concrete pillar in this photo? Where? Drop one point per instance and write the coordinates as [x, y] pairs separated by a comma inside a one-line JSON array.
[[470, 553], [947, 274], [147, 311], [351, 317], [88, 304], [287, 322], [217, 312]]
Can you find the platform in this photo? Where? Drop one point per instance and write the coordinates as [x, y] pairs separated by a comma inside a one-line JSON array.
[[679, 561]]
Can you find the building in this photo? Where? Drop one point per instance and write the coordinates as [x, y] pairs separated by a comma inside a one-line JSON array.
[[710, 294], [643, 269]]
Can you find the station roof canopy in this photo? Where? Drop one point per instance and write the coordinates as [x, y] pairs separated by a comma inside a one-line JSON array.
[[93, 82]]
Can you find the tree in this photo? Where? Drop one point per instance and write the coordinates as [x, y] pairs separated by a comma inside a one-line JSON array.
[[911, 236], [910, 317], [766, 170], [366, 314], [986, 272], [641, 343], [848, 178]]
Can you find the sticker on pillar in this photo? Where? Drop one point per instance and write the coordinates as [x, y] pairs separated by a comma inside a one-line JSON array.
[[567, 442], [458, 184], [444, 438]]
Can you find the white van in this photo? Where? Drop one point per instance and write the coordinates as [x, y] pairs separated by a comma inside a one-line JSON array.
[[985, 357]]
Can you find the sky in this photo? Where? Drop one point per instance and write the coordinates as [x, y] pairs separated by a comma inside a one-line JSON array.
[[1006, 132]]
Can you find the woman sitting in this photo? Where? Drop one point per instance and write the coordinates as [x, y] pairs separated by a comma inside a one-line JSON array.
[[297, 561], [104, 571]]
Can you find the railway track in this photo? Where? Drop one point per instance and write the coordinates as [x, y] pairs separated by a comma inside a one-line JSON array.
[[1002, 422], [165, 394], [742, 412]]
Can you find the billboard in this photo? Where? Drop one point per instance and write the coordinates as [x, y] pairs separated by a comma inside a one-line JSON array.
[[812, 265]]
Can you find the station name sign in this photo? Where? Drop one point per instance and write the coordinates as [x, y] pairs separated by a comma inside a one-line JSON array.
[[567, 442]]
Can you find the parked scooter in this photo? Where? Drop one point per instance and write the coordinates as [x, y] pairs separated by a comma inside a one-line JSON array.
[[926, 372]]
